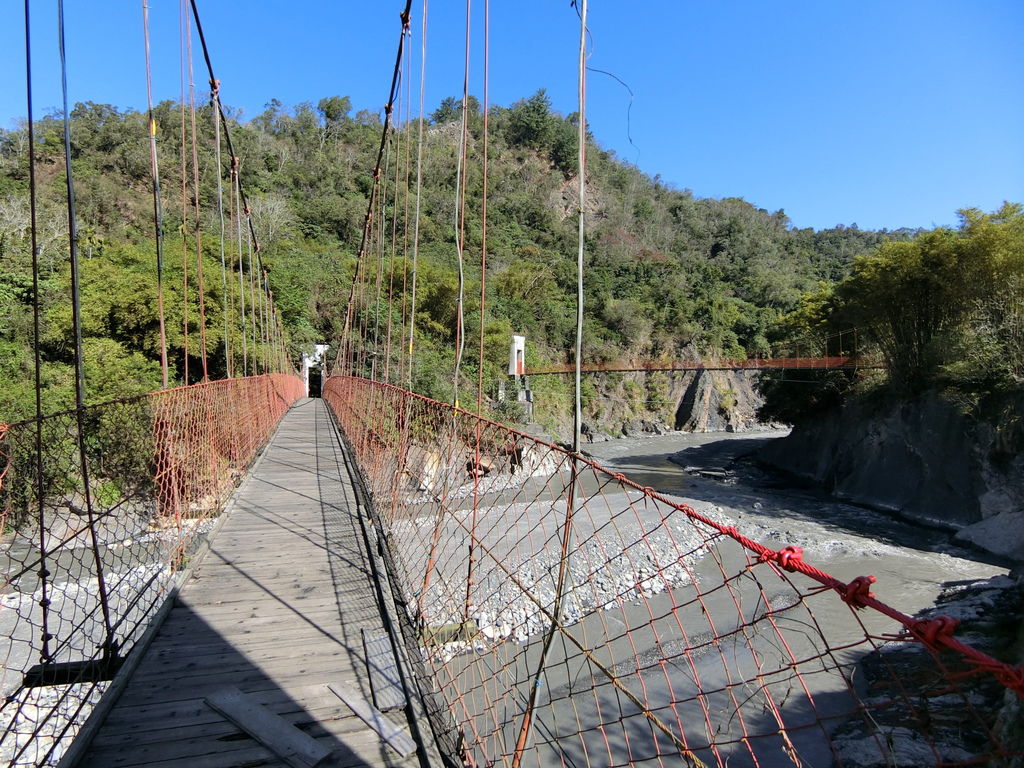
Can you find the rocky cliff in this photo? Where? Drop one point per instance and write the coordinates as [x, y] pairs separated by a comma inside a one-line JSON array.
[[633, 404], [924, 460]]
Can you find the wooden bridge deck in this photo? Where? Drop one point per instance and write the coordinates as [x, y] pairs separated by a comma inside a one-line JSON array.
[[274, 610]]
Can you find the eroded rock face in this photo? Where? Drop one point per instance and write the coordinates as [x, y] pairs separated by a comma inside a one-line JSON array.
[[924, 460], [636, 404], [719, 401]]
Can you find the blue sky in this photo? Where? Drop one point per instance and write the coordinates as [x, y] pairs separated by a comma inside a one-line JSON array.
[[883, 113]]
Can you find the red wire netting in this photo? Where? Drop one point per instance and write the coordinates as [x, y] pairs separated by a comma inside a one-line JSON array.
[[86, 565], [628, 629]]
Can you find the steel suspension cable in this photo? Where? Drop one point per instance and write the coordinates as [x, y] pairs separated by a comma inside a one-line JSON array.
[[109, 649], [483, 211], [196, 202], [158, 212], [37, 362], [184, 202], [252, 290], [358, 355], [419, 189], [346, 342], [571, 493], [394, 245], [225, 298], [236, 214], [362, 302], [483, 315], [407, 123], [265, 320], [261, 348], [460, 218], [379, 250], [220, 109], [581, 160], [242, 198]]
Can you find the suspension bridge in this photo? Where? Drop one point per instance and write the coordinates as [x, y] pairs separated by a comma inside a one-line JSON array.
[[229, 573], [832, 363]]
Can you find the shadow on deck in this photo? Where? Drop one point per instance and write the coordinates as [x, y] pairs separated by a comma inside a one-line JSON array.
[[277, 610]]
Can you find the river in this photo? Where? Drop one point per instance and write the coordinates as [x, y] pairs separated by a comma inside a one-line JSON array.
[[717, 470], [720, 637]]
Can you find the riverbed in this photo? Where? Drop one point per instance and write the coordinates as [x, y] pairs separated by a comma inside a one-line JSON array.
[[718, 472], [712, 474]]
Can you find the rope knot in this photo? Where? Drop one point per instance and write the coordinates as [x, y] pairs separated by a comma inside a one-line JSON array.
[[1012, 678], [789, 556], [858, 591], [930, 630]]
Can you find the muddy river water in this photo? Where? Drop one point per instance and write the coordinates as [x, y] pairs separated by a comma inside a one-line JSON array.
[[710, 472]]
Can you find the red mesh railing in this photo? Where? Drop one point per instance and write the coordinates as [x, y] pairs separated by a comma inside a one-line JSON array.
[[86, 564], [636, 631]]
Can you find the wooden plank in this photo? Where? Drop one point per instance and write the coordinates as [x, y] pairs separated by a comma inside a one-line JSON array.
[[219, 664], [205, 680], [396, 738], [312, 698], [149, 694], [187, 618], [201, 721], [385, 681], [359, 753], [272, 731], [218, 607], [286, 573]]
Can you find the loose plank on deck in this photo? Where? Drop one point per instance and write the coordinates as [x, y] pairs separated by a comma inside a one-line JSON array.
[[277, 609]]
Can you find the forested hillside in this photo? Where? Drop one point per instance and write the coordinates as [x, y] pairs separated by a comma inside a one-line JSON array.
[[944, 311], [668, 273]]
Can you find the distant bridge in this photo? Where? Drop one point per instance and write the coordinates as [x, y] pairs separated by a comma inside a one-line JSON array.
[[749, 364]]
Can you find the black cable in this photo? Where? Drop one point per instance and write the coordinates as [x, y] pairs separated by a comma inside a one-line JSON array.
[[44, 653], [227, 131], [223, 117], [158, 211], [629, 107], [76, 302], [76, 323], [615, 77], [388, 109]]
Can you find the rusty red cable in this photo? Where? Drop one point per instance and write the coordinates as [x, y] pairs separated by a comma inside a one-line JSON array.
[[182, 31], [196, 203]]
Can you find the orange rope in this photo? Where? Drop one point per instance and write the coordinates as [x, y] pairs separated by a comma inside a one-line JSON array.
[[483, 213], [7, 464], [182, 21], [346, 347], [157, 208], [236, 214], [419, 187], [252, 288], [460, 215], [196, 204], [407, 101]]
